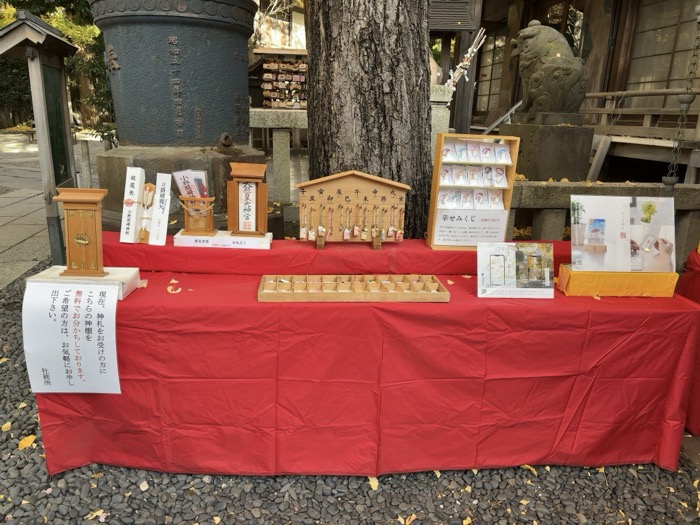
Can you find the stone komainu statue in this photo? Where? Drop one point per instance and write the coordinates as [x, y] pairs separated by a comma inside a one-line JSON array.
[[553, 79]]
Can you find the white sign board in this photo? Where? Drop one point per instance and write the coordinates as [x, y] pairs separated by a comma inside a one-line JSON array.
[[70, 337], [160, 213], [469, 227], [131, 211]]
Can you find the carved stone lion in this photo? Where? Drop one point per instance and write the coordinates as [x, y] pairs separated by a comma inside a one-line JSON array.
[[553, 79]]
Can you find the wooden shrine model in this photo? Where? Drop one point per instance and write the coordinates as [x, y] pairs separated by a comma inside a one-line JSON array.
[[246, 202], [199, 218], [83, 213], [351, 207]]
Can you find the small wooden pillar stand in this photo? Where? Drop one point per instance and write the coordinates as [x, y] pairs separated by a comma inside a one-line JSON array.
[[199, 219], [83, 213], [247, 199]]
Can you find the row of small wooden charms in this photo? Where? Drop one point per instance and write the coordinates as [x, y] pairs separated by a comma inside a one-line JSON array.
[[285, 66], [349, 230]]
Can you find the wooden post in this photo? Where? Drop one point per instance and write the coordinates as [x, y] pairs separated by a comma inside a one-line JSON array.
[[41, 123]]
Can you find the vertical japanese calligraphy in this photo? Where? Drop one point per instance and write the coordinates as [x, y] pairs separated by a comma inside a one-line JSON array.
[[176, 86], [246, 206]]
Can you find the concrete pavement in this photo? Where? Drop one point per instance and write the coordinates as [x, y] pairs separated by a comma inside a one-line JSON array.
[[24, 239]]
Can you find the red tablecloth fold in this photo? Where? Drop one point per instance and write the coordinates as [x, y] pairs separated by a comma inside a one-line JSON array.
[[689, 286], [213, 381]]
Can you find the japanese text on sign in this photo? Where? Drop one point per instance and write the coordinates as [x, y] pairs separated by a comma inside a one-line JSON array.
[[69, 337]]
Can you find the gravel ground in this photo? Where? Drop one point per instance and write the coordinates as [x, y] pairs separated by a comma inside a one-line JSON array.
[[628, 494]]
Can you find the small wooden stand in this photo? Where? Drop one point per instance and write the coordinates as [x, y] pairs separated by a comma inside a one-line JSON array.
[[83, 212], [246, 201], [199, 219]]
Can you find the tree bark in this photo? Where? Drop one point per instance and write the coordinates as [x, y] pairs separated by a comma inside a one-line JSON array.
[[369, 95]]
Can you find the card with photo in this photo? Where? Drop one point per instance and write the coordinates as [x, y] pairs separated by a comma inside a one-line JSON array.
[[481, 199], [495, 199], [487, 153], [475, 176], [473, 151], [499, 177], [502, 152], [467, 200]]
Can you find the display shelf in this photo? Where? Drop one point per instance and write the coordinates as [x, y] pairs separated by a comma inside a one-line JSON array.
[[411, 288], [284, 78], [471, 189]]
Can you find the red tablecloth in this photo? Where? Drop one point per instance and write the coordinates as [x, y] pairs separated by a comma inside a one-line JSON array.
[[213, 381], [301, 258], [689, 286]]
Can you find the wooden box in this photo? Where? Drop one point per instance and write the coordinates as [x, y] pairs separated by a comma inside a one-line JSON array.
[[352, 288], [471, 189]]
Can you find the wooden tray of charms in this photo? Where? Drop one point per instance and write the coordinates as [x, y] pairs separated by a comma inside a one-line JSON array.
[[405, 288]]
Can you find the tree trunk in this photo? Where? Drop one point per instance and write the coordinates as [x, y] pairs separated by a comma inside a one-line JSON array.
[[369, 94]]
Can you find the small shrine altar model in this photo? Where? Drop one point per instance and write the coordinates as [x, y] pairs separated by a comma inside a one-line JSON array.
[[247, 199], [83, 212], [352, 206]]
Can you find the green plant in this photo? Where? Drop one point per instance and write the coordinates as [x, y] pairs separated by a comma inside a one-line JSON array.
[[577, 210], [648, 211]]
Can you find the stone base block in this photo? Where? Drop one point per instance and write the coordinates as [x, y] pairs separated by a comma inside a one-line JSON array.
[[554, 152]]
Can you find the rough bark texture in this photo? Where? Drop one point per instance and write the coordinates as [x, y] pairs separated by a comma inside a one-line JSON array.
[[369, 94]]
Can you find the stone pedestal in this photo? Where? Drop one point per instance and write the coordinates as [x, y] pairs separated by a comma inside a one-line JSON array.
[[552, 151], [112, 164]]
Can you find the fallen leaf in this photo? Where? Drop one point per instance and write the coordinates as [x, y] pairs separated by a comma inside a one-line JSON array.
[[143, 284], [550, 179], [524, 501], [599, 182], [94, 515], [217, 520], [127, 494], [468, 488], [475, 470], [45, 519], [564, 180], [437, 473], [172, 289], [449, 281], [467, 276], [671, 489], [2, 360], [5, 348], [696, 483], [6, 427], [26, 442], [531, 469], [684, 504], [144, 486], [596, 297], [547, 468], [520, 176], [400, 520], [601, 469], [467, 521], [528, 482], [93, 485], [174, 281], [97, 475], [48, 491], [24, 502], [373, 482]]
